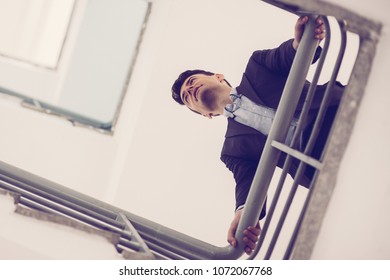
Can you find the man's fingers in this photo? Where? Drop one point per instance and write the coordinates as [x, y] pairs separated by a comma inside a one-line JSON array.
[[251, 244], [251, 235], [255, 230], [303, 20], [300, 23], [231, 233], [232, 241], [320, 29]]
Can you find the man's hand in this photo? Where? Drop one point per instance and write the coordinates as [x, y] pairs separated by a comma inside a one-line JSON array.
[[251, 233], [319, 30]]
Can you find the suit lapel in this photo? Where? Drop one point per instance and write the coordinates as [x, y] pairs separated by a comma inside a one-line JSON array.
[[245, 88], [235, 128]]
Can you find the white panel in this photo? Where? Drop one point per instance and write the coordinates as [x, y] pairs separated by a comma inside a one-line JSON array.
[[102, 58]]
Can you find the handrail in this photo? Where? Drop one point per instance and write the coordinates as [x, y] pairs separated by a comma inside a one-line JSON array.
[[155, 235], [294, 141], [158, 236], [317, 124], [284, 115], [311, 142], [160, 239]]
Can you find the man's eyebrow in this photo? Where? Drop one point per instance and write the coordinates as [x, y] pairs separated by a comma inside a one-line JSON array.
[[189, 79], [186, 82]]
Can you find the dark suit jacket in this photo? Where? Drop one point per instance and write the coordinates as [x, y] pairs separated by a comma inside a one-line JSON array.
[[263, 82]]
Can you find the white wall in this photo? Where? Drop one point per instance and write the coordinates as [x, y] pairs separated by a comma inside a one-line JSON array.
[[162, 161], [25, 238]]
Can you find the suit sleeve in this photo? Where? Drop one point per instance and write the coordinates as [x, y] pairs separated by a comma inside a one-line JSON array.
[[244, 172], [280, 59]]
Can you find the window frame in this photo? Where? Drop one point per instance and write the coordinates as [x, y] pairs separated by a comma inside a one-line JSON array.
[[42, 88]]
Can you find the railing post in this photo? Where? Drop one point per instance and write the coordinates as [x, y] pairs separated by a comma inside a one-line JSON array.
[[284, 115]]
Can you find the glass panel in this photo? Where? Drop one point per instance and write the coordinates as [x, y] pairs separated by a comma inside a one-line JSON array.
[[34, 31], [97, 42], [102, 57]]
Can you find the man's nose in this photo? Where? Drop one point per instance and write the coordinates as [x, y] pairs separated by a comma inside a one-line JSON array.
[[190, 89]]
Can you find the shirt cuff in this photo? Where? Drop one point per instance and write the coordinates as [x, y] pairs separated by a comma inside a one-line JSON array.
[[240, 207]]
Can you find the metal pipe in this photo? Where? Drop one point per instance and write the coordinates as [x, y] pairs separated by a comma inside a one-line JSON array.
[[294, 142], [42, 198], [163, 252], [48, 207], [51, 190], [308, 149], [143, 247], [297, 154], [300, 171], [129, 244], [333, 77], [283, 117], [153, 232]]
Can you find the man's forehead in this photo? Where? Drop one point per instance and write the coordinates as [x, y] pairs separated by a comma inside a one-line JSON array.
[[187, 79], [193, 76], [198, 75]]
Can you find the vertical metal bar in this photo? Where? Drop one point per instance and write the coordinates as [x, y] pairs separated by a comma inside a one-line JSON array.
[[289, 159], [333, 77], [309, 147], [284, 114], [143, 247]]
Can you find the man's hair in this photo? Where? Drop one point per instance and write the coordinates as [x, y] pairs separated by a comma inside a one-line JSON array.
[[180, 80]]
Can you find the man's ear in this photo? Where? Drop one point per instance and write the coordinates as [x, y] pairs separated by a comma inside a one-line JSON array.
[[220, 77], [211, 115]]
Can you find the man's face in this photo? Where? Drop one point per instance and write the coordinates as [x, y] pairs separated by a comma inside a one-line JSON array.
[[202, 93]]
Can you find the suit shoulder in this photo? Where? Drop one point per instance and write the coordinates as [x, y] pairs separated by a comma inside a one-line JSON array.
[[249, 146]]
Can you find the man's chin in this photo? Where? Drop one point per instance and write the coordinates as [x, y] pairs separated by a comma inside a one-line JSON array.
[[209, 100]]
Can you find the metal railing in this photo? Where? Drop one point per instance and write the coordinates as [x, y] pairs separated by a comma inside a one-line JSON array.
[[304, 157], [141, 234]]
